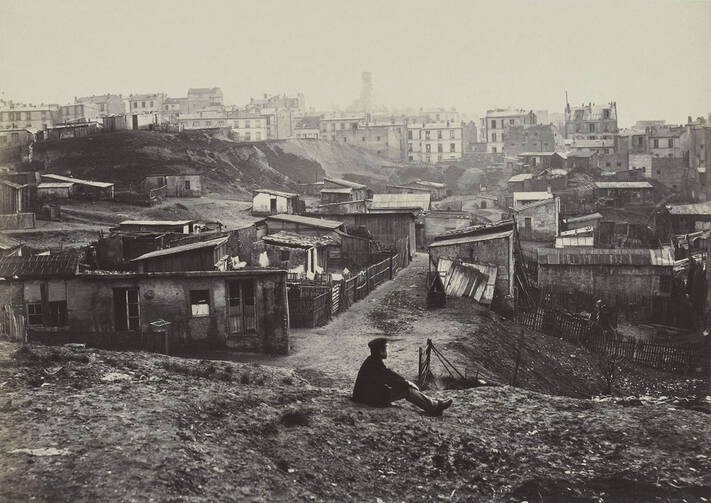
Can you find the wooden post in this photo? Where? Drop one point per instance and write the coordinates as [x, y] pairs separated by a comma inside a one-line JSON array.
[[391, 268]]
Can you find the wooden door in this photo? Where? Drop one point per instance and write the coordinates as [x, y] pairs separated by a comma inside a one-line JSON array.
[[242, 316]]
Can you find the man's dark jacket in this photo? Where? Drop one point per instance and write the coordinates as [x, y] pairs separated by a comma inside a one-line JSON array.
[[377, 385]]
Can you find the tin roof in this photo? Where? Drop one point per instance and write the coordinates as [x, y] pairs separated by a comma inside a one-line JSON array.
[[276, 193], [690, 209], [181, 249], [472, 239], [390, 201], [623, 185], [61, 178], [39, 266], [291, 239], [613, 257], [308, 221]]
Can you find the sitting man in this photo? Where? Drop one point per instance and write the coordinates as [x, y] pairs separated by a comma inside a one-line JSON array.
[[377, 385]]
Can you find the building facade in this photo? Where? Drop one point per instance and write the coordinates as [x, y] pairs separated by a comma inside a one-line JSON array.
[[108, 104], [497, 123], [434, 142], [591, 122]]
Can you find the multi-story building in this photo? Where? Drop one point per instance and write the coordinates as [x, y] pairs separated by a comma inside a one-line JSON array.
[[434, 142], [668, 141], [700, 156], [536, 138], [145, 103], [385, 139], [108, 104], [498, 121], [308, 128], [244, 126], [591, 122], [279, 102], [14, 116], [79, 112], [200, 98]]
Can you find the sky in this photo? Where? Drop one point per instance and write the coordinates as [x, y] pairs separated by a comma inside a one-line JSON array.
[[653, 58]]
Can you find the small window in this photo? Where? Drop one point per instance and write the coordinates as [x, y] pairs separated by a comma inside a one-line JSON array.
[[187, 184], [200, 303], [671, 142], [284, 255], [656, 143], [34, 313]]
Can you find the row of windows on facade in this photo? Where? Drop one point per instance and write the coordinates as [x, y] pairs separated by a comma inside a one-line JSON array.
[[591, 128], [235, 124], [429, 158], [17, 116], [512, 122], [240, 299], [143, 104], [440, 147], [452, 134]]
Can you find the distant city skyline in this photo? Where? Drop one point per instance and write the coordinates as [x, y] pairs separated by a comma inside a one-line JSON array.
[[650, 57]]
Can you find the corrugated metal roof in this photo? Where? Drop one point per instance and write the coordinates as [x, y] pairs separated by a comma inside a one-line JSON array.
[[39, 266], [471, 239], [386, 201], [61, 178], [623, 185], [613, 257], [276, 193], [181, 249], [690, 209], [309, 221], [284, 238]]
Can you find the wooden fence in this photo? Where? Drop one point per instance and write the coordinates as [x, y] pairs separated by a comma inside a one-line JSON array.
[[580, 331], [12, 323], [314, 303]]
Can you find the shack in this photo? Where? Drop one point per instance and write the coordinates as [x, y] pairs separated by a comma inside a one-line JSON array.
[[14, 197], [273, 202], [521, 199], [342, 208], [246, 310], [199, 256], [437, 191], [54, 190], [10, 247], [176, 185], [539, 221], [85, 189], [618, 276], [624, 193], [304, 225], [299, 254], [388, 202], [684, 218], [437, 222], [336, 190], [485, 246]]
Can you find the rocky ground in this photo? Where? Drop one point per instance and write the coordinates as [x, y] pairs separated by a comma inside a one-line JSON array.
[[84, 425]]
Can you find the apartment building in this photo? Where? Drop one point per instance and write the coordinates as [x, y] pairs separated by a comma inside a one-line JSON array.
[[244, 126], [434, 142], [79, 112], [534, 138], [591, 122], [108, 104], [145, 103], [386, 139], [498, 121], [14, 116]]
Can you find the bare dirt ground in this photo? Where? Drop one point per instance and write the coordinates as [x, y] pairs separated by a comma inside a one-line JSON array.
[[87, 425]]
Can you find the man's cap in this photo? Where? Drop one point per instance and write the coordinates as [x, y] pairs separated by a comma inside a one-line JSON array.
[[377, 343]]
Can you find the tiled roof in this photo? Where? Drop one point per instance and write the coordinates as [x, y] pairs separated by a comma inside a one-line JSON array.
[[308, 221], [292, 239], [181, 249], [614, 257], [39, 266]]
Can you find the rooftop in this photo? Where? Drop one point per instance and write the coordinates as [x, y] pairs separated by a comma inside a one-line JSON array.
[[690, 209], [181, 249], [436, 185], [531, 196], [576, 232], [505, 113], [156, 222], [12, 184], [345, 183], [61, 178], [536, 204], [472, 239], [391, 201], [340, 190], [503, 225], [292, 239], [39, 266], [55, 185], [614, 257], [623, 185], [8, 243], [584, 218], [276, 193], [308, 221], [521, 177]]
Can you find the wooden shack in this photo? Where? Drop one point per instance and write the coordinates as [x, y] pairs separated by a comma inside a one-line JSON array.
[[177, 185], [84, 189], [200, 256], [14, 197], [273, 202]]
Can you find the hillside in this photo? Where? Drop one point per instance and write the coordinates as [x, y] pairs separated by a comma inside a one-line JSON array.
[[228, 167]]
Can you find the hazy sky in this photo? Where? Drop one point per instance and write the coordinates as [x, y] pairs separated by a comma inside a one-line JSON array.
[[652, 57]]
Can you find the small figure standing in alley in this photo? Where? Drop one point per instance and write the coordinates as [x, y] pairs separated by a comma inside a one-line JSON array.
[[378, 386]]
